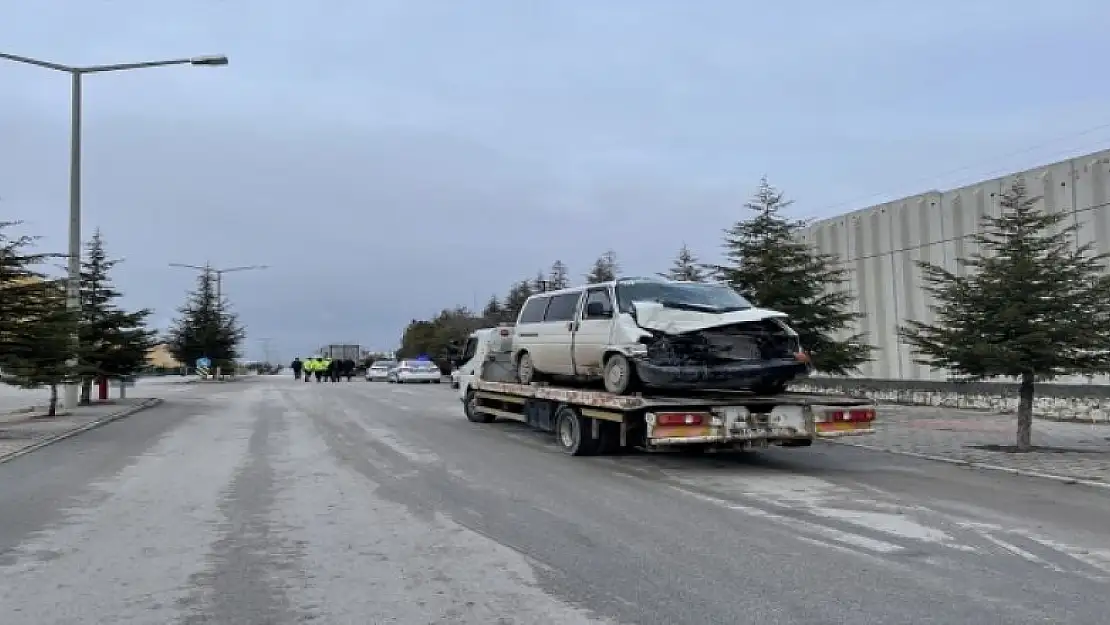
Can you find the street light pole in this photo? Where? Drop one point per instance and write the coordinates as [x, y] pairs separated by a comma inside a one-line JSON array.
[[73, 281], [207, 269]]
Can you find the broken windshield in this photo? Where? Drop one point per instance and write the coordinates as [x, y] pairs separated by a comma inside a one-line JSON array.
[[712, 298]]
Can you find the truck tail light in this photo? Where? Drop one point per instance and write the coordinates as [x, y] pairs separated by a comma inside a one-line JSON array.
[[681, 418], [504, 332], [851, 415]]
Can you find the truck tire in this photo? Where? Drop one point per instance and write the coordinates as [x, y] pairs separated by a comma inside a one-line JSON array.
[[525, 371], [619, 374], [470, 409], [573, 433]]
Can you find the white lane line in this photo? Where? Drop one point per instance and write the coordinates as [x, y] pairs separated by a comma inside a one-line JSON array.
[[1021, 553], [840, 536]]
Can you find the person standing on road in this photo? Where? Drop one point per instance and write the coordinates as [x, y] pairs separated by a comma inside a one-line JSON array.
[[319, 369], [349, 369], [329, 370], [297, 367]]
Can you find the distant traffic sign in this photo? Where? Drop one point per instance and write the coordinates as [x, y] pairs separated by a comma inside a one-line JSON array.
[[204, 363]]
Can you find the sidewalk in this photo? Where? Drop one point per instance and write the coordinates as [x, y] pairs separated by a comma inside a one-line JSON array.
[[1068, 449], [22, 430], [13, 399]]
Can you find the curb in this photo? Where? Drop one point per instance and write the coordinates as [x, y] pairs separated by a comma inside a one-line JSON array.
[[143, 405], [971, 464]]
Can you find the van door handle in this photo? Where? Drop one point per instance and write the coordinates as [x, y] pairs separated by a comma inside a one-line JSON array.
[[571, 326]]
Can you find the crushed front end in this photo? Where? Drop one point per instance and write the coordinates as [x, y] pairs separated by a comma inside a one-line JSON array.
[[761, 356]]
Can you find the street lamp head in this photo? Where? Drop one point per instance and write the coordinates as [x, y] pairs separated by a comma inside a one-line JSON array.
[[209, 60]]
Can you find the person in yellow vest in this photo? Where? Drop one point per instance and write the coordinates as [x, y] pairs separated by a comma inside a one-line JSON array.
[[309, 367]]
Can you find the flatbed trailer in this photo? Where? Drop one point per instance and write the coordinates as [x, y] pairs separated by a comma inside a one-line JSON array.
[[590, 422]]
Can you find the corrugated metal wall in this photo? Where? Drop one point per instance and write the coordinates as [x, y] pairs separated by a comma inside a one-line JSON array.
[[879, 246]]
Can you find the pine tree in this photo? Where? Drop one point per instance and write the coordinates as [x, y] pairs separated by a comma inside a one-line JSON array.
[[605, 269], [559, 278], [514, 301], [19, 285], [35, 328], [493, 312], [1032, 305], [47, 333], [540, 283], [768, 264], [206, 328], [113, 342], [685, 267]]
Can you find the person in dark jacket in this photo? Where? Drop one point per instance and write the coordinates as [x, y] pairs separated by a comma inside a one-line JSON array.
[[349, 369], [297, 367]]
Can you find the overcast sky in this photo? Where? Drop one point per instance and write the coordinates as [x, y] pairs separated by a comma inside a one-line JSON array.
[[388, 158]]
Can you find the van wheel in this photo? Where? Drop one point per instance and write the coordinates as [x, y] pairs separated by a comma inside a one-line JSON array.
[[620, 375], [525, 372], [573, 433], [470, 408]]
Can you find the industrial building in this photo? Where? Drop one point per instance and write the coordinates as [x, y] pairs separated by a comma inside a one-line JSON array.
[[879, 246]]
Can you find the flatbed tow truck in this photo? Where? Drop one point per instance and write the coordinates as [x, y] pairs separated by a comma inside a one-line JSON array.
[[591, 422]]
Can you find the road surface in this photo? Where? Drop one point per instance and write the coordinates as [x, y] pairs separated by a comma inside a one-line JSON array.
[[272, 501]]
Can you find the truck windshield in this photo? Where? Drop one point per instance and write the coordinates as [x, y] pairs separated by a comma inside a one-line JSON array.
[[714, 298]]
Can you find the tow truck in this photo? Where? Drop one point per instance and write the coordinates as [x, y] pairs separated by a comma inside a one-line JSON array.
[[592, 422]]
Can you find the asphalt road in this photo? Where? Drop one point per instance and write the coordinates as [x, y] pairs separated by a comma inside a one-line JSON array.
[[272, 502]]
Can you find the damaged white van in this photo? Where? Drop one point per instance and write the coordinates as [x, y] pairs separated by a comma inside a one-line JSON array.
[[655, 333]]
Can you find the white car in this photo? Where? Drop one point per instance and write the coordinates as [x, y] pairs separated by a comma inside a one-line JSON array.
[[379, 370], [408, 371]]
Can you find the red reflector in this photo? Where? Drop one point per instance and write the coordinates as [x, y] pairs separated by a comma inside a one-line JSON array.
[[861, 415], [504, 332], [680, 418], [835, 415]]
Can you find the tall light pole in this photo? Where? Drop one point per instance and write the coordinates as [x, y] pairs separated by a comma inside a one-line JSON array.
[[73, 282], [219, 275]]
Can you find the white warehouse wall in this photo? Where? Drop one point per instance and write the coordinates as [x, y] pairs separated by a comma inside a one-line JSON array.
[[879, 247]]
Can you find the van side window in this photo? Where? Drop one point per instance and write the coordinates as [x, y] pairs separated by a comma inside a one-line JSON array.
[[599, 298], [563, 307], [533, 310]]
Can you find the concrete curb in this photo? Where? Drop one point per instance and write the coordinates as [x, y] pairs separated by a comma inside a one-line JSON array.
[[143, 405], [1063, 479]]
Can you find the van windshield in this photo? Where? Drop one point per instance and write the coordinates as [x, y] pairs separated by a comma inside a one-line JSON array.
[[712, 298]]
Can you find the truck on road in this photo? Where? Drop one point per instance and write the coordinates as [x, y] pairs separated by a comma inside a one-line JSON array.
[[342, 352], [589, 422]]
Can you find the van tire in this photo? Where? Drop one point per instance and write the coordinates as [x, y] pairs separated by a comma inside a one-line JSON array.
[[574, 434], [470, 409], [619, 374], [525, 371]]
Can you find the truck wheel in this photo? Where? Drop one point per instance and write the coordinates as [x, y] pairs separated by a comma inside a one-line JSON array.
[[620, 375], [470, 408], [573, 433], [525, 372]]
